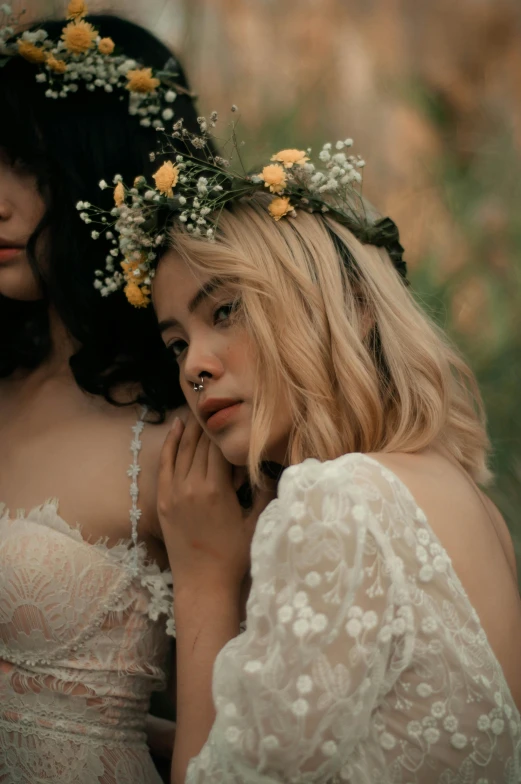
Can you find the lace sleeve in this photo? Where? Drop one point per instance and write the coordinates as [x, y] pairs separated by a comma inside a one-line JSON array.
[[329, 630]]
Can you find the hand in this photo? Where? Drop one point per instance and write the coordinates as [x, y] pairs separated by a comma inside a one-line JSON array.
[[206, 533]]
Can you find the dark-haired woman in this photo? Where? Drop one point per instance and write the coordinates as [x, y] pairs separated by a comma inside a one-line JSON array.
[[85, 389]]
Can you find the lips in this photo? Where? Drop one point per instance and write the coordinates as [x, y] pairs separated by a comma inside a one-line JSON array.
[[217, 412], [10, 248], [8, 253]]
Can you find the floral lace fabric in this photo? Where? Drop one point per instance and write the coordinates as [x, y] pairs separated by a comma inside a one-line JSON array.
[[363, 660], [82, 645]]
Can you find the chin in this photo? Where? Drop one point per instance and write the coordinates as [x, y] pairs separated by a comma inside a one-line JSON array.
[[234, 447], [17, 282]]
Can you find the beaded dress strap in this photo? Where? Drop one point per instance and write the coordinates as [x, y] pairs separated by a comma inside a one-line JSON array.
[[133, 472]]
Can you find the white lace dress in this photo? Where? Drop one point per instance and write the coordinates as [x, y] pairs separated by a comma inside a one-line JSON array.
[[363, 660], [81, 648]]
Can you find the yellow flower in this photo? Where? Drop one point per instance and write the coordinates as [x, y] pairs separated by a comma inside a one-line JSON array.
[[280, 207], [274, 178], [58, 66], [129, 267], [31, 52], [76, 9], [290, 157], [106, 46], [119, 194], [166, 178], [137, 296], [141, 81], [79, 36]]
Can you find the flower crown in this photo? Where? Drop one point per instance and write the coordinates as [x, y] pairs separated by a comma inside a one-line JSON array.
[[82, 55], [194, 187]]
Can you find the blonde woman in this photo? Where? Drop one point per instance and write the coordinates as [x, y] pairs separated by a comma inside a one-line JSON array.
[[383, 623]]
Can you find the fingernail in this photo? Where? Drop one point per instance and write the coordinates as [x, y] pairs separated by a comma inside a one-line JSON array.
[[174, 423]]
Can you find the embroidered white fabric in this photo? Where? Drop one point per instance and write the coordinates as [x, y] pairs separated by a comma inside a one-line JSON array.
[[363, 660], [82, 646]]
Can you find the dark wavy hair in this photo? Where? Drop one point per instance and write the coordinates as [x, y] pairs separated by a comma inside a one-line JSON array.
[[70, 144]]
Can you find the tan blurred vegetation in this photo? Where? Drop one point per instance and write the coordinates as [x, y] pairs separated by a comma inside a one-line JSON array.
[[431, 93]]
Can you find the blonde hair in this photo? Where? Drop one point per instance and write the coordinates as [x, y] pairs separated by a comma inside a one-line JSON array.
[[362, 366]]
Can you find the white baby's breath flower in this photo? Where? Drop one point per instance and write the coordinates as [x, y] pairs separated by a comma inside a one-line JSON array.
[[94, 235], [103, 184]]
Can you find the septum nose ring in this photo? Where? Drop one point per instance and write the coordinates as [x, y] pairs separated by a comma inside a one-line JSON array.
[[199, 387]]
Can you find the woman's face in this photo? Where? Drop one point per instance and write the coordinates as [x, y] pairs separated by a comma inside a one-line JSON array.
[[21, 210], [196, 321]]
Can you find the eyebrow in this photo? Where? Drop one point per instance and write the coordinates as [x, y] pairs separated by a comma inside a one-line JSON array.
[[203, 294]]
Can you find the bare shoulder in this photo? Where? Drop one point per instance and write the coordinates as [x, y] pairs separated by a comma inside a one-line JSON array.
[[457, 509], [476, 538]]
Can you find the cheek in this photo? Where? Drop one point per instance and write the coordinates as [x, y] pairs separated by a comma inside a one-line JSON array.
[[239, 361]]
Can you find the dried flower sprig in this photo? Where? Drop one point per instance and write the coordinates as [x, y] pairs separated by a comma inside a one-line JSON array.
[[194, 186], [82, 55]]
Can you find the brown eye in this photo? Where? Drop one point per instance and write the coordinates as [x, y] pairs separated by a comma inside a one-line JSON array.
[[223, 313], [177, 347]]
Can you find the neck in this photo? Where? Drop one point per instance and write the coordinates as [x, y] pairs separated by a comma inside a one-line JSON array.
[[55, 367]]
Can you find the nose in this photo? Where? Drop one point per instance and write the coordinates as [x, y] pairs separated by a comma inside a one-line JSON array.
[[6, 210], [201, 360]]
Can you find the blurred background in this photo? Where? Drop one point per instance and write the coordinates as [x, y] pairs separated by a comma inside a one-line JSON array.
[[431, 93]]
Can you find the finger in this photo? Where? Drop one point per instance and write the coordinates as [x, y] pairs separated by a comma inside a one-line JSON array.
[[219, 469], [187, 447], [168, 456], [199, 468]]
